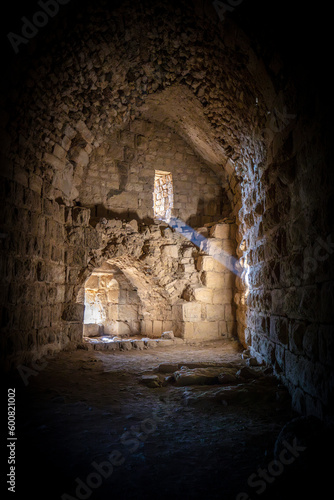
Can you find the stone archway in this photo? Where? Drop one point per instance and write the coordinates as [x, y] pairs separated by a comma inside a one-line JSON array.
[[182, 285], [177, 68], [74, 102]]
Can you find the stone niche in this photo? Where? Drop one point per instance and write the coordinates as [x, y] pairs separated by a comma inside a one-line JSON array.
[[112, 305]]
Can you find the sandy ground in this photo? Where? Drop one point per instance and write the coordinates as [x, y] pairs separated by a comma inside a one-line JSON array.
[[82, 410]]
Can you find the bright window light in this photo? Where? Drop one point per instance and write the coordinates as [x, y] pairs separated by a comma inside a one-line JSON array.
[[163, 195]]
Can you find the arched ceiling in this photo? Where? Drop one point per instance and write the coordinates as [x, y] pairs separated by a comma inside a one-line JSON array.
[[178, 108], [175, 63]]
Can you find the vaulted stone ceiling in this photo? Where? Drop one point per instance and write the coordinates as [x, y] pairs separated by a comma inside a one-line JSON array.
[[181, 66]]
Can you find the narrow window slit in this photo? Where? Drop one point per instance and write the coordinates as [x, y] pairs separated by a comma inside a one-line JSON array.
[[163, 195]]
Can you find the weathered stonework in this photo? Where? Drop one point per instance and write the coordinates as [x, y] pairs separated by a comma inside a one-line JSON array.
[[85, 124], [167, 272]]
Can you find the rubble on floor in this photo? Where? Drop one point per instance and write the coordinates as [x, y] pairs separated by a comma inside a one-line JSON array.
[[224, 383]]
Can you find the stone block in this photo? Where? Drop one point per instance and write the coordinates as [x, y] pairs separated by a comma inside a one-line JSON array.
[[138, 344], [112, 312], [123, 328], [191, 311], [116, 151], [222, 328], [213, 280], [229, 279], [150, 343], [202, 294], [187, 330], [215, 246], [125, 345], [54, 161], [112, 295], [221, 231], [167, 335], [101, 346], [280, 358], [195, 376], [292, 368], [127, 312], [211, 246], [312, 377], [231, 328], [223, 296], [187, 268], [215, 312], [91, 330], [110, 327], [92, 239], [187, 252], [147, 327], [205, 263], [296, 333], [73, 312], [92, 282], [311, 341], [74, 332], [279, 330], [165, 342], [167, 325], [157, 328], [35, 183], [59, 151], [206, 330], [113, 346], [84, 131]]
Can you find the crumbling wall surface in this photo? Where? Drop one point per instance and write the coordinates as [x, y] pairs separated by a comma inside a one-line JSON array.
[[81, 122], [287, 236], [78, 102], [179, 284], [46, 266]]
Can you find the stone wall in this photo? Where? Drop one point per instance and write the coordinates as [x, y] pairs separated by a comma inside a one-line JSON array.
[[287, 241], [181, 286], [119, 178], [86, 89], [85, 120], [33, 272]]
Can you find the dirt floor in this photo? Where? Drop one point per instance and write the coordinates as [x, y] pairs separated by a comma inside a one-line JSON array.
[[91, 424]]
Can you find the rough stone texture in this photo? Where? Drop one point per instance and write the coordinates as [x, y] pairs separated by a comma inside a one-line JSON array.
[[150, 261], [290, 295], [86, 120], [119, 179]]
